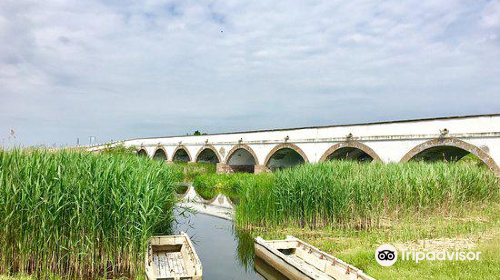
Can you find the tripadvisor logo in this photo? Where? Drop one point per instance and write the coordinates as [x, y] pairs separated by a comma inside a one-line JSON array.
[[387, 255]]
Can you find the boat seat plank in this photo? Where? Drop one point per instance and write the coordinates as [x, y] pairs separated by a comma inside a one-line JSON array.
[[172, 257], [169, 264]]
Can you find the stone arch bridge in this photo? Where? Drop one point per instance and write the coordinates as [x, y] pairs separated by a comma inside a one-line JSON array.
[[447, 138]]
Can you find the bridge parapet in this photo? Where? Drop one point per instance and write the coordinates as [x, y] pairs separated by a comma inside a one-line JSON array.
[[385, 141]]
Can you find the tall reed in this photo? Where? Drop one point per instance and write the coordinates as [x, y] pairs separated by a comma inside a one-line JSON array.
[[360, 195], [233, 183], [80, 215], [192, 170]]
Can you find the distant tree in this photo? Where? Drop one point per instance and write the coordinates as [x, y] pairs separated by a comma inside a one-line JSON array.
[[197, 132]]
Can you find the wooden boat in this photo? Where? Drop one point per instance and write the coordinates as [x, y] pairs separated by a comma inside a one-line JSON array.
[[298, 260], [266, 271], [172, 257]]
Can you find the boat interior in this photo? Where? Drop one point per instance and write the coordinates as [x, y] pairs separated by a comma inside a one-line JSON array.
[[172, 258]]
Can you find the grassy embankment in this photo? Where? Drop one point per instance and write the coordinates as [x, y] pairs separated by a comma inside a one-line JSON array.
[[349, 209], [80, 215]]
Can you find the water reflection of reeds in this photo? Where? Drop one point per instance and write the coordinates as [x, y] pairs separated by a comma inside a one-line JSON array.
[[245, 248]]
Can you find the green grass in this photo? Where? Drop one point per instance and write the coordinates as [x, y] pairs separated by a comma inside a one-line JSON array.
[[191, 171], [181, 188], [232, 185], [119, 149], [17, 277], [360, 196], [348, 209], [81, 215], [480, 225], [472, 161]]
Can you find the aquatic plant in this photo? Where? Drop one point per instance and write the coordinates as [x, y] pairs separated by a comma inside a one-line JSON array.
[[181, 188], [81, 215], [245, 248], [232, 183], [191, 171], [359, 195]]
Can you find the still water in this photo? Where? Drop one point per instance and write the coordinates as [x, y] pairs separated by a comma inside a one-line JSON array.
[[225, 253]]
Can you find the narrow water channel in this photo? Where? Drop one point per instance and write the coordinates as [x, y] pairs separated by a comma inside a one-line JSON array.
[[225, 253]]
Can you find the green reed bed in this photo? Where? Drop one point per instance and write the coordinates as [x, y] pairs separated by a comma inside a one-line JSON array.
[[232, 184], [191, 171], [359, 195], [80, 215]]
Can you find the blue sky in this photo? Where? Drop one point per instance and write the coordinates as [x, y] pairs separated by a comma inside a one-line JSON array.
[[123, 69]]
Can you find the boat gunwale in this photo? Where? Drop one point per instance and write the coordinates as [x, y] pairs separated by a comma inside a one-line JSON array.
[[182, 196], [194, 259], [280, 255], [336, 261]]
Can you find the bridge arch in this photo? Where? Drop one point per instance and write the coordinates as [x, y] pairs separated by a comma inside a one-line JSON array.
[[160, 154], [142, 152], [285, 155], [181, 154], [358, 151], [451, 149], [208, 154], [242, 158]]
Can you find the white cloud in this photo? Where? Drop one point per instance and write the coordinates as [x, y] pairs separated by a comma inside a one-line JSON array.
[[491, 15], [119, 69]]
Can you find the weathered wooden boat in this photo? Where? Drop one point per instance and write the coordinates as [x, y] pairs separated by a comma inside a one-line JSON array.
[[298, 260], [267, 271], [172, 257]]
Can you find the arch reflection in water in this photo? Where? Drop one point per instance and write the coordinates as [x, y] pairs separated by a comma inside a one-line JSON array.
[[224, 252]]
